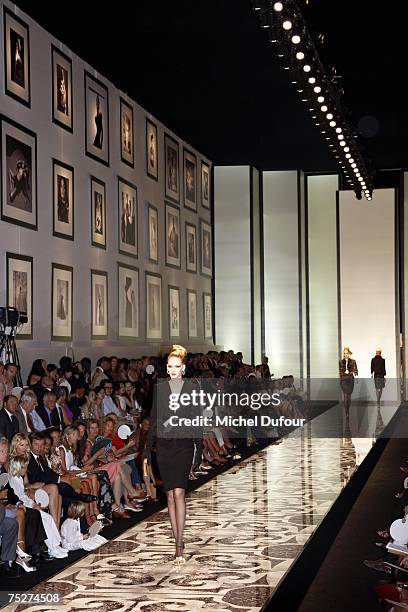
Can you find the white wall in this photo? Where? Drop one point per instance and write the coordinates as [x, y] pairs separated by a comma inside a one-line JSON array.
[[281, 271], [368, 283], [233, 258], [256, 258], [322, 258], [53, 141]]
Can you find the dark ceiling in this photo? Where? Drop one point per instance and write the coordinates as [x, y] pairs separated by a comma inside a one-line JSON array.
[[204, 68]]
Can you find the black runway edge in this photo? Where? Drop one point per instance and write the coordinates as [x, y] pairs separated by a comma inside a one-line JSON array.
[[46, 570], [294, 585]]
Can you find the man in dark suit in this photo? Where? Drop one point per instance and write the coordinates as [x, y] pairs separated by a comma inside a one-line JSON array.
[[39, 471], [8, 419], [50, 413]]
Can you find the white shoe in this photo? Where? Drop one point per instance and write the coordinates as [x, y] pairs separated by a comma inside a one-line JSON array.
[[20, 553], [58, 553], [25, 566], [133, 508]]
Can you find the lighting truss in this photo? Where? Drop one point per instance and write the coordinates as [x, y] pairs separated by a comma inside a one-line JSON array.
[[295, 48]]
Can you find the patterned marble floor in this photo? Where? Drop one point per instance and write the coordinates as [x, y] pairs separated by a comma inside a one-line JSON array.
[[244, 530]]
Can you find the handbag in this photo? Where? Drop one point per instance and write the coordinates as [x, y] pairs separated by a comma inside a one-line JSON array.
[[149, 479]]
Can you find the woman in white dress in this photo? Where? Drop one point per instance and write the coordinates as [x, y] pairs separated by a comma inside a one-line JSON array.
[[17, 473]]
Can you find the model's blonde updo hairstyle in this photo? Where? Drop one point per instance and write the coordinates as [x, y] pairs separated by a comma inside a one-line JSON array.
[[177, 351]]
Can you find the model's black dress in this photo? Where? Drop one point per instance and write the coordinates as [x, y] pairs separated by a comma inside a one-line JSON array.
[[174, 445]]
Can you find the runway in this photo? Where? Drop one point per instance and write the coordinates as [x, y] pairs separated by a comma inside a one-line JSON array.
[[244, 530]]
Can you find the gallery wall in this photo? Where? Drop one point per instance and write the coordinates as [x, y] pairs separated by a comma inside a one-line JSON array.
[[27, 118]]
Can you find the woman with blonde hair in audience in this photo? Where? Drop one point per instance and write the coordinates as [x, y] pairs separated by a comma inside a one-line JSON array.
[[18, 479], [21, 447]]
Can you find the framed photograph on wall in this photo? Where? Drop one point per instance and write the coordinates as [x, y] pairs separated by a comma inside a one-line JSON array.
[[99, 304], [172, 235], [192, 313], [206, 248], [128, 218], [127, 137], [96, 119], [207, 311], [19, 289], [18, 174], [153, 233], [174, 311], [62, 109], [190, 179], [205, 185], [152, 152], [172, 173], [98, 212], [128, 300], [191, 247], [61, 302], [153, 306], [63, 200], [16, 58]]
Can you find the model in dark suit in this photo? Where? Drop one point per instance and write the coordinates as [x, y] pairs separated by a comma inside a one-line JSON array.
[[174, 442], [378, 373], [347, 371]]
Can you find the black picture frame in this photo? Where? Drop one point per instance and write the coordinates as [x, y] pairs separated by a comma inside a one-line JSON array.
[[28, 260], [104, 275], [12, 89], [189, 329], [153, 127], [204, 270], [70, 270], [191, 269], [69, 170], [11, 213], [148, 275], [124, 247], [136, 272], [171, 288], [190, 198], [128, 159], [205, 201], [172, 261], [95, 241], [156, 212], [170, 193], [91, 150], [57, 116]]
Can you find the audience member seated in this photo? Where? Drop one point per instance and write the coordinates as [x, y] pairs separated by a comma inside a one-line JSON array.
[[8, 418]]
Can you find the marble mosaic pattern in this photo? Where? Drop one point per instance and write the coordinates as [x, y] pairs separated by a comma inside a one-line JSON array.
[[244, 530]]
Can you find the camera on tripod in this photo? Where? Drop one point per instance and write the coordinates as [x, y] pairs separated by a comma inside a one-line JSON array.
[[11, 317], [11, 321]]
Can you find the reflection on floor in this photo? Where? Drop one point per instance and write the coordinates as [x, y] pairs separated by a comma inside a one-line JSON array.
[[244, 530]]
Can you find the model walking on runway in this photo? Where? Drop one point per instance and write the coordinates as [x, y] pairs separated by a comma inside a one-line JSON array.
[[347, 371], [174, 444]]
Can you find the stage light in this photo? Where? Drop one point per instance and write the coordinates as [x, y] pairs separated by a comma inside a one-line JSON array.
[[300, 55], [338, 130], [342, 143], [317, 89], [312, 80], [353, 164], [351, 160], [287, 25], [348, 155], [278, 7], [340, 136], [320, 99], [323, 108], [329, 116], [332, 123], [264, 20], [306, 68], [296, 39], [347, 149]]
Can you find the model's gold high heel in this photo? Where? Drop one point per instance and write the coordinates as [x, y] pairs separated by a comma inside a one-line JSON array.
[[179, 559]]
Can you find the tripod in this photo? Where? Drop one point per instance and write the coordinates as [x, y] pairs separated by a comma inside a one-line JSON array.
[[9, 353]]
